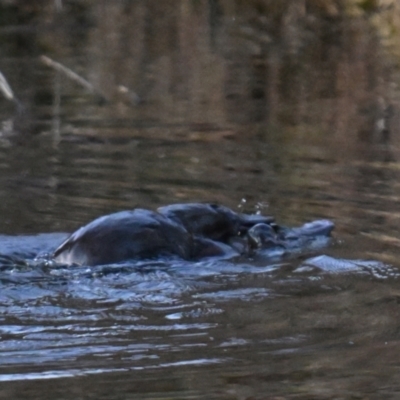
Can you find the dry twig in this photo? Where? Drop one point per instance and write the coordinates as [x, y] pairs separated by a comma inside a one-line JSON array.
[[72, 75], [5, 88]]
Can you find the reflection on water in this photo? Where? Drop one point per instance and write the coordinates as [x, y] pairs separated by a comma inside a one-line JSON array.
[[293, 108], [59, 322]]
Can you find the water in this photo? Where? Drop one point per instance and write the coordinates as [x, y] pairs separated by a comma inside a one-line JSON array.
[[290, 112]]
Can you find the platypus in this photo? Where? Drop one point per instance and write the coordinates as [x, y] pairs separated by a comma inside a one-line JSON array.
[[189, 231]]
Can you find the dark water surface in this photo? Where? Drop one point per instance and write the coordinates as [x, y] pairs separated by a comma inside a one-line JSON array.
[[287, 112]]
